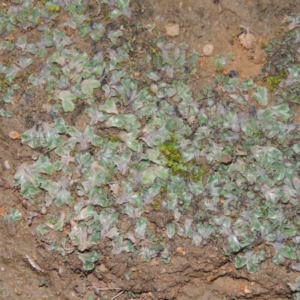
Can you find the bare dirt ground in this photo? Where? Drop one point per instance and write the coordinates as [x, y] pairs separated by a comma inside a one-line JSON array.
[[29, 271]]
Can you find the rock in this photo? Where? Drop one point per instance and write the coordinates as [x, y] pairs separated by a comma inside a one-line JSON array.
[[14, 135], [247, 40], [208, 49], [103, 269], [246, 290], [180, 251], [7, 165], [172, 29]]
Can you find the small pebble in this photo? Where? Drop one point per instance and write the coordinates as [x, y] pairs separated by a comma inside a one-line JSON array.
[[43, 210], [208, 49], [103, 269], [34, 157], [154, 88], [14, 135], [247, 40], [180, 251], [6, 165], [172, 29]]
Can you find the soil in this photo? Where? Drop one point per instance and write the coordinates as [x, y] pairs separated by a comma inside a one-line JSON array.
[[28, 270]]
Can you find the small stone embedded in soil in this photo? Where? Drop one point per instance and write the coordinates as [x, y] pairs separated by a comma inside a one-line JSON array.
[[247, 40], [7, 165], [172, 29], [180, 251], [103, 269], [43, 210], [14, 135], [34, 157], [208, 49]]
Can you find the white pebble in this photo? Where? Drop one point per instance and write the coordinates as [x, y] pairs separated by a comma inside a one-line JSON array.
[[172, 29], [154, 88], [6, 165], [208, 49], [34, 157]]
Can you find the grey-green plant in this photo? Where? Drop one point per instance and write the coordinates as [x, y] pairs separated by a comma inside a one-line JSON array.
[[89, 260], [14, 216], [219, 63], [251, 260], [224, 170]]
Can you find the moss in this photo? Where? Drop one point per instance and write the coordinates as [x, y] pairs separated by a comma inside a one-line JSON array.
[[115, 139], [53, 8], [94, 149], [258, 135], [87, 21], [3, 84], [73, 152], [263, 45], [153, 51], [155, 204], [272, 82], [151, 93], [198, 174], [170, 150], [173, 156], [107, 17], [193, 170], [164, 189]]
